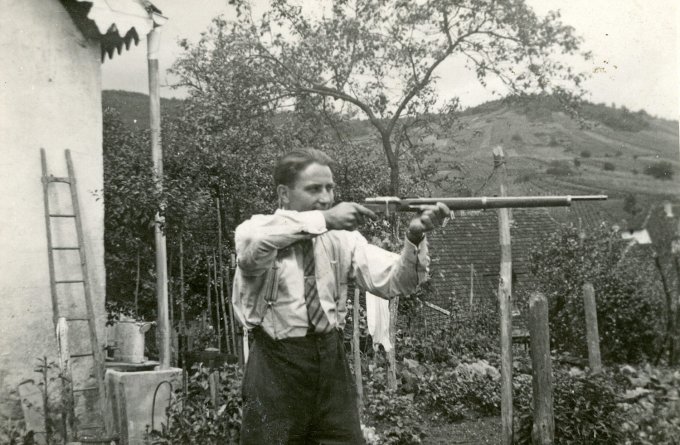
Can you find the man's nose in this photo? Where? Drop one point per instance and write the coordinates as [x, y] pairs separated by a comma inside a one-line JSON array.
[[326, 197]]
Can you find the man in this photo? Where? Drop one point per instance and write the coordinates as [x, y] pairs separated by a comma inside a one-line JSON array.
[[290, 289]]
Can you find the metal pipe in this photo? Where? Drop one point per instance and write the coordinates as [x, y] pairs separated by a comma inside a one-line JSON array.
[[163, 322]]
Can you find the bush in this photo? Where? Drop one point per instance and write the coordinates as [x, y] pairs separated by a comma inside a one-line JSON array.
[[192, 417], [585, 154], [660, 170], [516, 138], [608, 166], [456, 395], [393, 414], [585, 409], [577, 162], [628, 295], [559, 168]]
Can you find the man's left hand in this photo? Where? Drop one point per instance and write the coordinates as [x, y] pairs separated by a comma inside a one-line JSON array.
[[429, 219]]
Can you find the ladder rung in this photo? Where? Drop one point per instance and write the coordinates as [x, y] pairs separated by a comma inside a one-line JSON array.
[[66, 248], [61, 215], [77, 319], [65, 179], [68, 281], [81, 355], [89, 388]]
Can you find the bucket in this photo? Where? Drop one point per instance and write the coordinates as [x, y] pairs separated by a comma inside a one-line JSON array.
[[129, 338]]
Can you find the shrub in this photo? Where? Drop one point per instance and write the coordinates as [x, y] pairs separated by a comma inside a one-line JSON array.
[[577, 162], [457, 395], [585, 409], [585, 154], [559, 168], [660, 170], [553, 141], [628, 295], [516, 138], [393, 414], [608, 166], [192, 417], [653, 411]]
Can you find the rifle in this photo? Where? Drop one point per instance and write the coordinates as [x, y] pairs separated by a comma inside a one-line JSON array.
[[391, 204]]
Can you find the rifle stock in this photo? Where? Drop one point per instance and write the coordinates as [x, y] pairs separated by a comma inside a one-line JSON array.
[[391, 204]]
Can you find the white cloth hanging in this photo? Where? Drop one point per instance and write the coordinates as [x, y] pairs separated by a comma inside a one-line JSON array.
[[378, 320]]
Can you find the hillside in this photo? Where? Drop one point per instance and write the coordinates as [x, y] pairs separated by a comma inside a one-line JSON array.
[[134, 107], [547, 151]]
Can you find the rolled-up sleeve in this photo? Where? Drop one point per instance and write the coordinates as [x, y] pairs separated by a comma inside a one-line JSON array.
[[258, 240], [387, 274]]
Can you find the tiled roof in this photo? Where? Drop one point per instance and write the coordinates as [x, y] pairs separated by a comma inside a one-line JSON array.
[[467, 252], [116, 23]]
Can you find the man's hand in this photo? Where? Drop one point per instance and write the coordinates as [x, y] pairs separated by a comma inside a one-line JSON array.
[[430, 219], [346, 216]]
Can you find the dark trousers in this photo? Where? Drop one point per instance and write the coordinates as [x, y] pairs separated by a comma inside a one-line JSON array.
[[299, 391]]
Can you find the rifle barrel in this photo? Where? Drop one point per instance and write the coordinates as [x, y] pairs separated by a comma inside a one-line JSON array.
[[473, 203]]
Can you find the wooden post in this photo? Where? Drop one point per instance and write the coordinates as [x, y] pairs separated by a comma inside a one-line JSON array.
[[163, 322], [505, 305], [225, 311], [592, 334], [391, 355], [217, 305], [356, 349], [182, 331], [137, 282], [543, 431], [209, 286]]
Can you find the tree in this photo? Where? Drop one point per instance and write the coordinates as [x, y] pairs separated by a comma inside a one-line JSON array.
[[629, 298], [380, 58]]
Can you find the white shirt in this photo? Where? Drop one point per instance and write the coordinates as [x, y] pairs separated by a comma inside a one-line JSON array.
[[269, 284]]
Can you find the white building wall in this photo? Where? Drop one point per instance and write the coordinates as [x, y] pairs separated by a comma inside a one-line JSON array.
[[50, 97]]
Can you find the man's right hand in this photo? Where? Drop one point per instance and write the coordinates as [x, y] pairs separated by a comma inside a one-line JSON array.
[[346, 216]]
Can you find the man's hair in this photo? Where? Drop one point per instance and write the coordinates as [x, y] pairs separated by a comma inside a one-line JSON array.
[[292, 163]]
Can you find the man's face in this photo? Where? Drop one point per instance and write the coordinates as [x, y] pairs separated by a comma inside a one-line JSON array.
[[313, 190]]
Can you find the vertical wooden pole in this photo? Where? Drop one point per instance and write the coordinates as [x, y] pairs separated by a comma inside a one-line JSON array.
[[163, 322], [137, 282], [391, 355], [217, 304], [209, 286], [356, 349], [543, 431], [225, 311], [182, 334], [505, 305], [592, 334]]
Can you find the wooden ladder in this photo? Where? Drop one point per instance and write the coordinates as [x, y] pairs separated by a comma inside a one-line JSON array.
[[82, 371]]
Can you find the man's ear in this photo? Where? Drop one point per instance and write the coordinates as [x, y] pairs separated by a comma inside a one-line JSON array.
[[284, 198]]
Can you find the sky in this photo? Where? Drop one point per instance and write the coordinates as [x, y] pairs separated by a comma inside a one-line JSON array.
[[635, 46]]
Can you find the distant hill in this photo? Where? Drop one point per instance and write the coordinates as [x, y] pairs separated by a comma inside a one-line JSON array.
[[547, 151], [134, 107]]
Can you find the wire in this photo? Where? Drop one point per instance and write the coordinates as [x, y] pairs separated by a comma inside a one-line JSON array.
[[153, 405]]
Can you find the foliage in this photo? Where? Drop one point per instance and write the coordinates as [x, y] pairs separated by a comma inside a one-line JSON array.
[[585, 409], [192, 417], [455, 394], [577, 162], [379, 58], [660, 170], [559, 168], [652, 406], [15, 433], [617, 119], [608, 166], [394, 414], [586, 154], [628, 296]]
